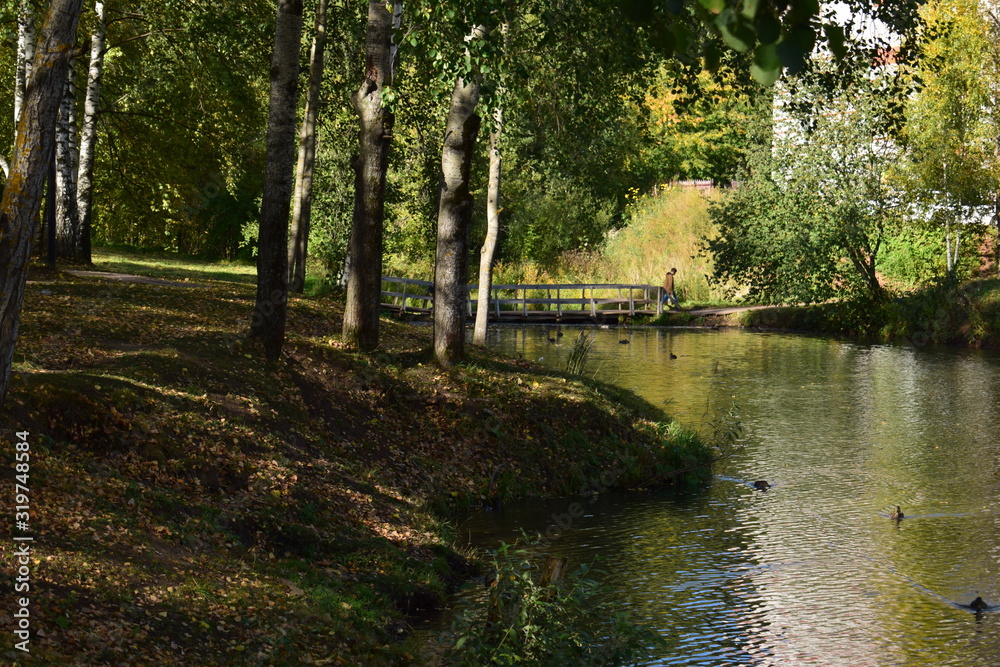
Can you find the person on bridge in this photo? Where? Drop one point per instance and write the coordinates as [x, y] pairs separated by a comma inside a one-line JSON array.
[[668, 289]]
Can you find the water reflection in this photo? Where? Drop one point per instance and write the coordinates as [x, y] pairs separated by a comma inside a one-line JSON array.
[[812, 572]]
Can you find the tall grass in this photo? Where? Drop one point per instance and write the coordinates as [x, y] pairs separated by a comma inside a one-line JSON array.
[[665, 231]]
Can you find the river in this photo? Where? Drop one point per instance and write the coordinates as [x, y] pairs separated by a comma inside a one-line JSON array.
[[812, 571]]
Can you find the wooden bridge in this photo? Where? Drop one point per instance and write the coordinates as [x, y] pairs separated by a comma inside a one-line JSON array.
[[533, 303]]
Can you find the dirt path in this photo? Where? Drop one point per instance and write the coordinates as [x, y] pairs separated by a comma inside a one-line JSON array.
[[723, 311], [129, 278]]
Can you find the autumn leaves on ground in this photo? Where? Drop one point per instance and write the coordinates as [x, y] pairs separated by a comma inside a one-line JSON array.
[[191, 505]]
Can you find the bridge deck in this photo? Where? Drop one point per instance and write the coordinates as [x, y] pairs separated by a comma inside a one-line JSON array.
[[540, 303]]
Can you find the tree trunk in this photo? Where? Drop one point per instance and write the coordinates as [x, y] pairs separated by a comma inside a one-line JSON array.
[[25, 54], [50, 238], [67, 222], [954, 257], [22, 67], [364, 280], [454, 219], [88, 135], [307, 157], [947, 247], [271, 310], [492, 231], [32, 150]]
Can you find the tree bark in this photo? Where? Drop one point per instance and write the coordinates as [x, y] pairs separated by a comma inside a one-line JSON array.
[[25, 54], [364, 280], [67, 221], [492, 232], [49, 237], [22, 67], [88, 134], [32, 149], [270, 313], [454, 219], [297, 248]]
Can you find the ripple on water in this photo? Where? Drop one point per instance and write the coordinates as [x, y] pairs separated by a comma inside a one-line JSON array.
[[813, 571]]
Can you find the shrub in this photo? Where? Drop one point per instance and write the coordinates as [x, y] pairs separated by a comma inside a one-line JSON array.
[[522, 622]]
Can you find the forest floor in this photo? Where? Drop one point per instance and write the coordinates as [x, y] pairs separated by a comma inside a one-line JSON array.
[[193, 505]]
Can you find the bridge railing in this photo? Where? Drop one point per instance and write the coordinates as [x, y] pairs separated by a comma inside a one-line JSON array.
[[539, 300]]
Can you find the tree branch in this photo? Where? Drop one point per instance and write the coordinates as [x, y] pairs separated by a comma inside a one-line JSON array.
[[142, 36]]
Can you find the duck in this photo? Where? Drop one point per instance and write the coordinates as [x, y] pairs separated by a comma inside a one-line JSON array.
[[673, 356], [761, 485], [624, 341], [978, 604], [897, 514], [559, 334]]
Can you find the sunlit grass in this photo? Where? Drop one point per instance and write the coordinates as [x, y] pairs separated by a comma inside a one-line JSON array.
[[172, 267]]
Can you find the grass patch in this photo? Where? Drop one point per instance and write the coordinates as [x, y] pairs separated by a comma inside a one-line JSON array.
[[173, 267]]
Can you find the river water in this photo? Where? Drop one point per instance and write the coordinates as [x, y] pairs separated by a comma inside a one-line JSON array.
[[813, 571]]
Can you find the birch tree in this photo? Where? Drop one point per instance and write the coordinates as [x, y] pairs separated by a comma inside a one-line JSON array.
[[270, 313], [493, 181], [32, 148], [22, 67], [88, 135], [451, 266], [364, 281], [302, 208], [25, 53], [67, 221], [488, 250]]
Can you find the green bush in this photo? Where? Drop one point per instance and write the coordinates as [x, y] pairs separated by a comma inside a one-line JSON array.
[[522, 622]]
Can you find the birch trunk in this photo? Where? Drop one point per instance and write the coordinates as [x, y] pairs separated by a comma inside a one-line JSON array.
[[32, 149], [67, 222], [947, 247], [271, 310], [454, 218], [364, 278], [301, 212], [492, 232], [88, 134], [25, 54]]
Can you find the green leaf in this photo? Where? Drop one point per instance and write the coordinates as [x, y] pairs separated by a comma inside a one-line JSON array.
[[763, 76], [800, 11], [682, 36], [835, 38], [768, 28], [750, 8], [736, 31], [714, 6], [794, 47], [461, 642], [766, 67]]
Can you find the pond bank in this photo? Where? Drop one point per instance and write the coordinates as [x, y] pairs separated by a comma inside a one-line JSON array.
[[193, 506], [966, 314]]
